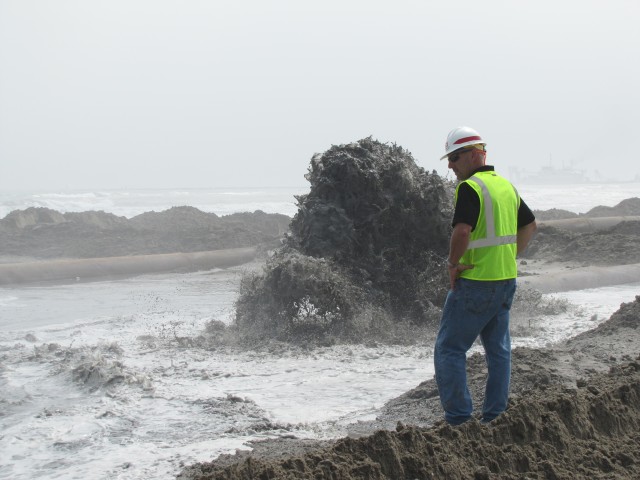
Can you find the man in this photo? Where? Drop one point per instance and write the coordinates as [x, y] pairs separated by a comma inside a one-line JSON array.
[[491, 224]]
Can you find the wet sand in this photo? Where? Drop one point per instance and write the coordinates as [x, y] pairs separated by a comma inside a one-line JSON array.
[[574, 412], [86, 269]]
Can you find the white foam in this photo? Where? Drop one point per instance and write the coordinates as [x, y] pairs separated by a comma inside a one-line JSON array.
[[6, 300]]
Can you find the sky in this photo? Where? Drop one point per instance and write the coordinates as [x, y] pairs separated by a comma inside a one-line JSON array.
[[231, 93]]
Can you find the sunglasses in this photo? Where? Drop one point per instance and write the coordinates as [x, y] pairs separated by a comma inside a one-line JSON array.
[[454, 157]]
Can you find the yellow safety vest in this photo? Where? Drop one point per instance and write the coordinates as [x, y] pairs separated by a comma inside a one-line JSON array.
[[493, 243]]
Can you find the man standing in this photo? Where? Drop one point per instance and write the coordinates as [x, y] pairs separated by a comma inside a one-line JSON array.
[[491, 224]]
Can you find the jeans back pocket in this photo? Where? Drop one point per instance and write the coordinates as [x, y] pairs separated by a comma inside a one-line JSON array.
[[478, 296]]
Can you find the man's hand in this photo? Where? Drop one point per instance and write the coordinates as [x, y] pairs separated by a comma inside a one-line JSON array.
[[454, 272]]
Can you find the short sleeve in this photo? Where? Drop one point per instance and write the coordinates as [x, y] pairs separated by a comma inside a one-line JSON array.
[[467, 209], [525, 215]]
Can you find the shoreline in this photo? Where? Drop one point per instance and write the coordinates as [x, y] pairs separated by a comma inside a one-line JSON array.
[[80, 270], [544, 276], [555, 277]]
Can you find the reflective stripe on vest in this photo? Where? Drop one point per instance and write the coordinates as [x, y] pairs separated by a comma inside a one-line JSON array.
[[491, 240]]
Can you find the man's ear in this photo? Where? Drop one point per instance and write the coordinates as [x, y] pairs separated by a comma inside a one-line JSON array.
[[479, 156]]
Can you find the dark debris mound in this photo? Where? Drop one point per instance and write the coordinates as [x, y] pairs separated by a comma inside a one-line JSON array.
[[375, 219]]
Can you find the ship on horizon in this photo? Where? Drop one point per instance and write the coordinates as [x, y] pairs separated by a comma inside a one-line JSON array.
[[550, 175]]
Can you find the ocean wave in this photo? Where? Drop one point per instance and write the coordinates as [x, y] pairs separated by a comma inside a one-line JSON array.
[[69, 195], [11, 395], [243, 194], [5, 301], [129, 203]]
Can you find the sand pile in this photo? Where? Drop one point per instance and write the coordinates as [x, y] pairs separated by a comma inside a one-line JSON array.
[[616, 245], [45, 234], [574, 413], [627, 207]]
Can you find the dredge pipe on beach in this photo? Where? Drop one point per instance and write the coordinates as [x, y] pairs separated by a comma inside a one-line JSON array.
[[94, 268], [581, 278], [587, 224]]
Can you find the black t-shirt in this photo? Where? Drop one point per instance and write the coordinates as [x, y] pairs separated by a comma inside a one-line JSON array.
[[468, 206]]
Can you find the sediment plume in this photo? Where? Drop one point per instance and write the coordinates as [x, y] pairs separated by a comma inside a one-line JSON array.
[[366, 249]]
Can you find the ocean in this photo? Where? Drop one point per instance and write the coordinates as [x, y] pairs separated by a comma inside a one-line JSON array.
[[129, 203], [103, 380], [578, 198]]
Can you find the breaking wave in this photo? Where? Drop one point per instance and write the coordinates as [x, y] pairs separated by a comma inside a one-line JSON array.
[[93, 367]]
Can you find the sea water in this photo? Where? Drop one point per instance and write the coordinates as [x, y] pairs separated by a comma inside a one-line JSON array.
[[107, 380], [577, 198]]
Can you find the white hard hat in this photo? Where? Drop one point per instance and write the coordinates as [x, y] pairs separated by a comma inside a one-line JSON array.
[[461, 137]]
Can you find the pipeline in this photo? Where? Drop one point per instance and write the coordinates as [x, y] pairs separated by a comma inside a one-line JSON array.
[[583, 277], [587, 224], [95, 268]]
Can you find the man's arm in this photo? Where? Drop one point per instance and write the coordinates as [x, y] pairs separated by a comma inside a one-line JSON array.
[[459, 242], [457, 246], [524, 235]]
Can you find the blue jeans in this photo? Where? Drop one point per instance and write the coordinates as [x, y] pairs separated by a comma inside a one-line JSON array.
[[474, 308]]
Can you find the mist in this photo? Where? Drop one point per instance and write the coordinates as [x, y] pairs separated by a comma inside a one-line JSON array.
[[165, 94]]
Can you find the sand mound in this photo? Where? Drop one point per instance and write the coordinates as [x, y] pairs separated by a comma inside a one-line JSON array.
[[627, 207], [618, 245], [554, 214], [46, 234]]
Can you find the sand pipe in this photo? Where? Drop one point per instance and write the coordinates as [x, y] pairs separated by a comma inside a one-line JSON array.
[[587, 224], [93, 268], [581, 278]]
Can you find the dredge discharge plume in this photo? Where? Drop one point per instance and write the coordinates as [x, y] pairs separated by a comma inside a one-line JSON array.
[[364, 253]]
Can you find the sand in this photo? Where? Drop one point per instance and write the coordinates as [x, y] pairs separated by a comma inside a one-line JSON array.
[[574, 413], [87, 269]]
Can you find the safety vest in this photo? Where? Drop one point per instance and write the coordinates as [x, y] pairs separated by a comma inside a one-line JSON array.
[[493, 243]]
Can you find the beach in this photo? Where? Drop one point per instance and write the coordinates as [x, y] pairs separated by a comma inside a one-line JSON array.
[[117, 378]]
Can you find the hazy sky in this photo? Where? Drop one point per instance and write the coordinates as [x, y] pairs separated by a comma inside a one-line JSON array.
[[160, 93]]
